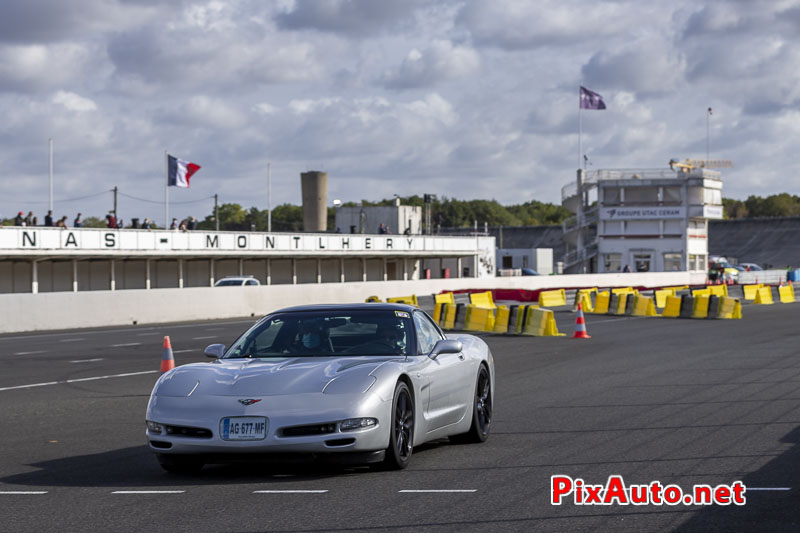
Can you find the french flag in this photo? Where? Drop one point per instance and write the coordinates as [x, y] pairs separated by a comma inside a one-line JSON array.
[[180, 172]]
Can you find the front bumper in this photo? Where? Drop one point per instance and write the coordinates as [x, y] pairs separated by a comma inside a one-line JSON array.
[[206, 413]]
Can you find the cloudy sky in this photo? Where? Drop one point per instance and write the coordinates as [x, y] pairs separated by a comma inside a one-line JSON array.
[[467, 99]]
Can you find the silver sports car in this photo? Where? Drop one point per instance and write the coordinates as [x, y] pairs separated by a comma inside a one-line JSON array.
[[360, 382]]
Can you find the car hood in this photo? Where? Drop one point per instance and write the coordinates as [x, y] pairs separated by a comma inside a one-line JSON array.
[[272, 377]]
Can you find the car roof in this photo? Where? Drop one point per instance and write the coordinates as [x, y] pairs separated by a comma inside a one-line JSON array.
[[371, 306]]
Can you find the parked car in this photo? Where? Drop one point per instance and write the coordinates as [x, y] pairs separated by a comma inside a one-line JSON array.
[[529, 272], [237, 281], [750, 267]]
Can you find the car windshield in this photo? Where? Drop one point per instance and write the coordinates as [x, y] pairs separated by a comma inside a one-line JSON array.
[[326, 333]]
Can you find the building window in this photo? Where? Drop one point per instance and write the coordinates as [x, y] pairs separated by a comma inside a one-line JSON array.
[[697, 262], [613, 262], [673, 261], [508, 261], [641, 262], [524, 261]]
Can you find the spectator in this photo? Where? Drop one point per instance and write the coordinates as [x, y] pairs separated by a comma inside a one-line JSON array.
[[48, 219], [626, 269], [120, 223], [111, 221], [147, 224], [182, 226], [62, 222], [19, 220], [174, 224], [382, 229], [35, 221], [29, 219], [78, 223], [191, 224]]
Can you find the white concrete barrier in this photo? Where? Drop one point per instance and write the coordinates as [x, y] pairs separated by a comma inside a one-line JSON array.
[[69, 310]]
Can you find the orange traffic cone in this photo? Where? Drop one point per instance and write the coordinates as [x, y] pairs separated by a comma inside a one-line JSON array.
[[580, 326], [167, 360]]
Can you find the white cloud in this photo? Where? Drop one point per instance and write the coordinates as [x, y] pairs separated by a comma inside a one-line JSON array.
[[441, 61], [74, 102]]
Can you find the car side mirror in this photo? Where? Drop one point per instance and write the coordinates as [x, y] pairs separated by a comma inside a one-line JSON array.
[[446, 346], [215, 350]]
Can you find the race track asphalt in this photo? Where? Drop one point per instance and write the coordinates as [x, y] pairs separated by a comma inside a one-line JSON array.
[[679, 401]]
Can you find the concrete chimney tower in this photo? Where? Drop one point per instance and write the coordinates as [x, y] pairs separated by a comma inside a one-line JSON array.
[[314, 185]]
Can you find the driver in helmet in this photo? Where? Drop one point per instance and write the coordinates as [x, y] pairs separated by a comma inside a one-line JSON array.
[[391, 334], [312, 338]]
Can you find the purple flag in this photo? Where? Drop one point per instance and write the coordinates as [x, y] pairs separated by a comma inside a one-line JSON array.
[[591, 100]]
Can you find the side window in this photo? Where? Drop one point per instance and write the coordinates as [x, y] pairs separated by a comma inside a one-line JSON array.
[[427, 334]]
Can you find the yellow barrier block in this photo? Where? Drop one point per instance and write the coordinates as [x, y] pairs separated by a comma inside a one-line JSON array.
[[410, 300], [449, 316], [372, 299], [444, 298], [644, 306], [584, 298], [624, 290], [702, 292], [501, 319], [479, 319], [718, 290], [553, 298], [622, 300], [541, 323], [764, 296], [661, 297], [601, 304], [700, 306], [786, 293], [482, 299], [751, 290], [729, 308], [672, 308]]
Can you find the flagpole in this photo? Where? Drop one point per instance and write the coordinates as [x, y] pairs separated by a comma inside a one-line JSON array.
[[580, 132], [269, 199], [166, 190]]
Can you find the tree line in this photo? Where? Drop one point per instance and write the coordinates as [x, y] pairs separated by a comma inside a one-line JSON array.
[[453, 213]]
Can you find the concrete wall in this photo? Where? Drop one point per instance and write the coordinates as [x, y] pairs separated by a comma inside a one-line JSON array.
[[68, 310]]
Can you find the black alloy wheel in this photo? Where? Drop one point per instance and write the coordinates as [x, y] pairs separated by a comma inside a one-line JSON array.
[[481, 411], [401, 437]]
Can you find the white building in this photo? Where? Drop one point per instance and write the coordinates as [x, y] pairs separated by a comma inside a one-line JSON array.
[[646, 220], [538, 259], [397, 219], [39, 259]]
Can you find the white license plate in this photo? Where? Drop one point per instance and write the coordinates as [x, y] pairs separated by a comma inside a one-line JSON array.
[[243, 428]]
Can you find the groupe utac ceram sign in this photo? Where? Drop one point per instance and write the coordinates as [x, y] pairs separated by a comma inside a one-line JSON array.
[[641, 213], [80, 241]]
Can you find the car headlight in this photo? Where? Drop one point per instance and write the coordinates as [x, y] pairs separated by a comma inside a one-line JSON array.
[[154, 427], [351, 424]]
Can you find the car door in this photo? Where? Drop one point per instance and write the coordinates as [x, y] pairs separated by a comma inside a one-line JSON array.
[[447, 376]]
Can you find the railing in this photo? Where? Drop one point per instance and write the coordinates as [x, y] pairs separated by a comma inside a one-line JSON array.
[[576, 256], [590, 179]]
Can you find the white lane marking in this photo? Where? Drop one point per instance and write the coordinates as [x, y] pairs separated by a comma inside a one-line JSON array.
[[28, 353], [126, 344], [148, 492], [201, 338], [438, 490], [87, 360], [183, 351], [149, 333], [78, 380], [294, 491], [23, 492], [71, 340], [768, 488]]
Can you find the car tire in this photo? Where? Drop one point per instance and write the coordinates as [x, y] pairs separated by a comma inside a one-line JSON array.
[[180, 464], [401, 430], [481, 411]]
